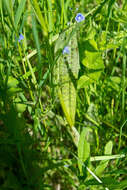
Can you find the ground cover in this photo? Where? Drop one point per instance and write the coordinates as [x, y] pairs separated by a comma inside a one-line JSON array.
[[63, 98]]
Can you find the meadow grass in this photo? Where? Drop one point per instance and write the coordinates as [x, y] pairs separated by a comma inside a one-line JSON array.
[[63, 98]]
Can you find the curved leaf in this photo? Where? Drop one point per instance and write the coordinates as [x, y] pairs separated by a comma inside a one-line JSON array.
[[103, 164], [84, 147]]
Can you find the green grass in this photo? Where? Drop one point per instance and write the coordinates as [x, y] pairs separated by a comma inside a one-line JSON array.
[[63, 117]]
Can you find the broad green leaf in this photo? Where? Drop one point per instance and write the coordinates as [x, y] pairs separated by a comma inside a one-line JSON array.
[[13, 91], [84, 147], [12, 82], [86, 80], [115, 83], [93, 60], [90, 34], [116, 79], [66, 72], [108, 148], [103, 164], [20, 107], [19, 12]]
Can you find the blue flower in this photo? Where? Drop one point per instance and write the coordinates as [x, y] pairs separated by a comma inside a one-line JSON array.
[[79, 17], [21, 37], [66, 50]]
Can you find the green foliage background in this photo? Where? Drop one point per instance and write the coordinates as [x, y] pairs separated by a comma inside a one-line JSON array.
[[63, 117]]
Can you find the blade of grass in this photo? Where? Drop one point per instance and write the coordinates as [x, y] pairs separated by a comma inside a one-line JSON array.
[[32, 73], [34, 52], [123, 77], [99, 158], [36, 38], [62, 14], [110, 6], [0, 5], [99, 7], [9, 8], [121, 128], [19, 12], [40, 17], [113, 127], [50, 17]]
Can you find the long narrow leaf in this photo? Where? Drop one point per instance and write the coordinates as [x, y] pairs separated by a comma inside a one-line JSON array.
[[19, 12], [9, 8], [36, 38], [83, 148], [66, 72], [103, 164], [40, 17]]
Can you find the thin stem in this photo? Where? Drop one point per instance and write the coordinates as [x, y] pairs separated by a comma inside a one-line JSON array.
[[123, 78]]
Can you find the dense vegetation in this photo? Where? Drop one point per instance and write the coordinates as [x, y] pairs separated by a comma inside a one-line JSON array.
[[63, 98]]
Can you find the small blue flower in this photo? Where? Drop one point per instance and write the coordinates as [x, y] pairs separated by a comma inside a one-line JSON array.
[[66, 50], [21, 37], [79, 17]]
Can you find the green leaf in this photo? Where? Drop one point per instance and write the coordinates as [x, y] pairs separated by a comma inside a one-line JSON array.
[[84, 147], [50, 16], [103, 164], [106, 181], [110, 5], [13, 91], [12, 82], [66, 72], [36, 38], [101, 5], [40, 16], [93, 60], [20, 107], [84, 81], [117, 156], [109, 182], [88, 79], [19, 12], [119, 186], [9, 7]]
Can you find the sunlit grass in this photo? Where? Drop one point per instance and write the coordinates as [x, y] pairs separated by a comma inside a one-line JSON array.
[[63, 108]]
